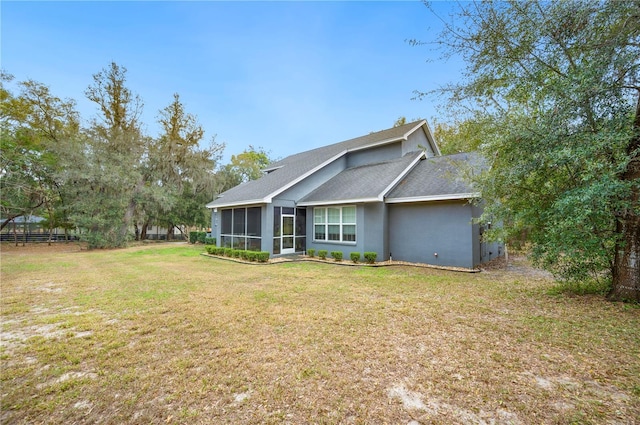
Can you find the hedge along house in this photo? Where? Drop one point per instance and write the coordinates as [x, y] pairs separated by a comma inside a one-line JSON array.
[[389, 192]]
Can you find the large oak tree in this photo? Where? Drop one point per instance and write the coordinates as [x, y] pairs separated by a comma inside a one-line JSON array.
[[556, 86]]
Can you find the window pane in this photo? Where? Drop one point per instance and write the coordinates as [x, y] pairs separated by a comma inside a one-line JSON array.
[[225, 241], [287, 243], [301, 244], [319, 232], [287, 210], [226, 222], [349, 215], [238, 243], [287, 226], [254, 244], [238, 221], [276, 222], [319, 215], [276, 245], [254, 221], [301, 221], [349, 233], [333, 215], [334, 232]]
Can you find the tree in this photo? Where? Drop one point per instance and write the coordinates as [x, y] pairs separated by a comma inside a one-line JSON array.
[[400, 121], [557, 87], [249, 164], [103, 176], [180, 170], [34, 125]]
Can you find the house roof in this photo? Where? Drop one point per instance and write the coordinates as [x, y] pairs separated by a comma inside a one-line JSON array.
[[439, 178], [285, 173], [365, 183]]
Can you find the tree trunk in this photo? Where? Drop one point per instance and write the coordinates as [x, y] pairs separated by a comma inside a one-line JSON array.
[[626, 266], [137, 230], [129, 212], [143, 233]]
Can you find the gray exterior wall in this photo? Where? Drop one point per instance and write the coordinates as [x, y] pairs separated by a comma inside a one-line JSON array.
[[374, 155], [418, 231], [417, 142], [376, 230]]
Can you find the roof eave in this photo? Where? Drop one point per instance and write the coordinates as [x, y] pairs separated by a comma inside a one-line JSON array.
[[431, 198], [213, 204], [338, 202]]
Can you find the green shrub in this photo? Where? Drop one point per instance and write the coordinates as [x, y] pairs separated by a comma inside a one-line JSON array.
[[210, 249], [355, 257], [193, 237], [262, 256], [251, 255], [202, 237], [237, 253], [323, 254], [209, 241], [337, 255], [370, 257], [228, 252], [311, 252]]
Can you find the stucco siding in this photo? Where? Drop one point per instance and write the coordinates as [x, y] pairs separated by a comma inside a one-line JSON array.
[[418, 231], [375, 230], [417, 141], [374, 155]]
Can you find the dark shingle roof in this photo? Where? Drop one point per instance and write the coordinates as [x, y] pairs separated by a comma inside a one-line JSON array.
[[292, 169], [363, 183], [440, 177]]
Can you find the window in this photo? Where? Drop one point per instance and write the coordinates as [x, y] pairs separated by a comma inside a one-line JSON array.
[[241, 228], [336, 224]]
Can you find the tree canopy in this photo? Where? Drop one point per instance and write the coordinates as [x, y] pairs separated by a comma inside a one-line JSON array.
[[109, 177], [552, 91]]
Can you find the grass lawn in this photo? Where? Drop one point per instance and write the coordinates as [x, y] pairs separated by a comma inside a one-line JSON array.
[[160, 334]]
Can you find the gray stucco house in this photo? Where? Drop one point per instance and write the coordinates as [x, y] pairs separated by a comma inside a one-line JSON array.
[[390, 192]]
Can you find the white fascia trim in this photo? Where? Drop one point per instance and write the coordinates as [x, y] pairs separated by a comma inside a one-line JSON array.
[[432, 139], [269, 198], [340, 202], [373, 145], [236, 203], [420, 124], [402, 175], [447, 197]]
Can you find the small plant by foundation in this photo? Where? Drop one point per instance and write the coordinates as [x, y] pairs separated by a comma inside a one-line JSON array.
[[337, 255]]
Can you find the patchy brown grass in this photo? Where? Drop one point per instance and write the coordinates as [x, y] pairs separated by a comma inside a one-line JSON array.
[[161, 334]]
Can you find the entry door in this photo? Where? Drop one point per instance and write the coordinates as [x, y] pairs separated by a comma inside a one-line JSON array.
[[288, 226]]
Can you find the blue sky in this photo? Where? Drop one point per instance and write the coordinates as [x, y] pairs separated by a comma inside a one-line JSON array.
[[285, 76]]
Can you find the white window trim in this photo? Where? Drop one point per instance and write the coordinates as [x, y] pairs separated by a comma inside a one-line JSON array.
[[326, 225]]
